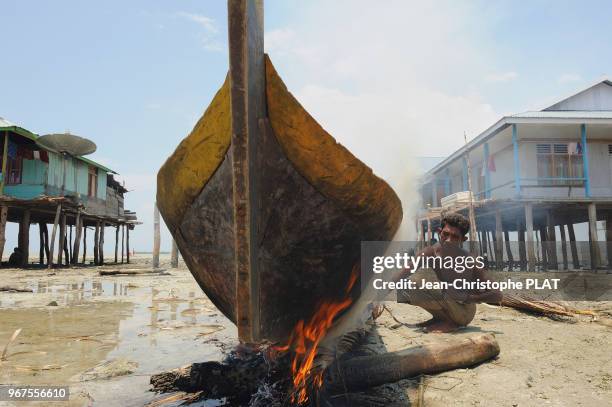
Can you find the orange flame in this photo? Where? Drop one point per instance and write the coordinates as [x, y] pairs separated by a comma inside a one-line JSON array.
[[305, 338]]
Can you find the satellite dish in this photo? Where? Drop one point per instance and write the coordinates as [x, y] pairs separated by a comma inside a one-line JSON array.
[[67, 143]]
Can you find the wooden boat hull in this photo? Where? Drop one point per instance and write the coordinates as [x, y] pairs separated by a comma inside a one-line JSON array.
[[314, 203]]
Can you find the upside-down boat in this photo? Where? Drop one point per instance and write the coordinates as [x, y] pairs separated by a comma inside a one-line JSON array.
[[267, 209]]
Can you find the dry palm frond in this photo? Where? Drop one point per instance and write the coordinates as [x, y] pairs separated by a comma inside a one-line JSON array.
[[542, 307], [15, 335]]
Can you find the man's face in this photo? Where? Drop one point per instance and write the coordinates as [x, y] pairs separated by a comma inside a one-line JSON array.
[[452, 234]]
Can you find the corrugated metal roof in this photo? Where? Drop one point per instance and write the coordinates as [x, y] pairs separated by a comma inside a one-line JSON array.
[[6, 125], [564, 114]]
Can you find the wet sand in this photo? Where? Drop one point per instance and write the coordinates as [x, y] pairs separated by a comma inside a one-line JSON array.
[[108, 334]]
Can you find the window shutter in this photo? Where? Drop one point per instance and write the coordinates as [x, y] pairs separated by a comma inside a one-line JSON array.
[[560, 148], [543, 148]]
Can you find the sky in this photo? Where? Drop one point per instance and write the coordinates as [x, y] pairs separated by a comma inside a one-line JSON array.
[[390, 79]]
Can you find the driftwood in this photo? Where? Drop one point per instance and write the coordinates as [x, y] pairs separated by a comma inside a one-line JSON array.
[[15, 289], [131, 272]]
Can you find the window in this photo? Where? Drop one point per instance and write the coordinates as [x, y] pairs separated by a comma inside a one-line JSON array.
[[92, 181], [14, 166], [560, 163]]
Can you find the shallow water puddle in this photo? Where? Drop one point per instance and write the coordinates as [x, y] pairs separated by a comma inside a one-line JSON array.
[[106, 325]]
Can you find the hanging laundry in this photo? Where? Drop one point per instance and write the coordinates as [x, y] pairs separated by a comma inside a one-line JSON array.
[[36, 155], [578, 148]]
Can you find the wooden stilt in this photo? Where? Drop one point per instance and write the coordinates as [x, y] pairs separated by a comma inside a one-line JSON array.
[[3, 217], [499, 241], [122, 242], [46, 237], [84, 241], [101, 245], [520, 231], [529, 228], [41, 250], [543, 248], [62, 239], [429, 232], [25, 237], [116, 243], [156, 237], [563, 245], [508, 250], [551, 242], [491, 244], [593, 239], [127, 243], [58, 212], [69, 257], [483, 245], [96, 244], [174, 255], [66, 254], [77, 238], [573, 248]]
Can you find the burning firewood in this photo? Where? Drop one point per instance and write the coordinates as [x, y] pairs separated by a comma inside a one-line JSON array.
[[245, 378]]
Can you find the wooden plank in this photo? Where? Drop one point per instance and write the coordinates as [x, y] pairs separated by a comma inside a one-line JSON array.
[[58, 212], [520, 230], [247, 94], [156, 237]]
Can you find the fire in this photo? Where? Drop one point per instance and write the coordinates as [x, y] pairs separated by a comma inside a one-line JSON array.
[[305, 338]]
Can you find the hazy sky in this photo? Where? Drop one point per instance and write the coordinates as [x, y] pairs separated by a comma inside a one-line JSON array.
[[390, 80]]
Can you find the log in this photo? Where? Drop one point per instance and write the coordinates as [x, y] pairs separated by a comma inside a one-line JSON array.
[[131, 272], [369, 371]]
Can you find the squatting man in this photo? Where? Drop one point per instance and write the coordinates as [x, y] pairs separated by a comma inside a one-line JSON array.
[[451, 307]]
